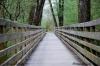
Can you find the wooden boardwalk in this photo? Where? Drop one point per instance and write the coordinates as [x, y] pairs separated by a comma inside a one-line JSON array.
[[52, 52], [18, 43]]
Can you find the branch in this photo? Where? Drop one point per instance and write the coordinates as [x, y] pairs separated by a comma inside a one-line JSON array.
[[6, 9]]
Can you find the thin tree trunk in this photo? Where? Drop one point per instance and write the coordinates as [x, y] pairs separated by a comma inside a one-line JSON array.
[[84, 11], [54, 18], [2, 9], [31, 15], [17, 12]]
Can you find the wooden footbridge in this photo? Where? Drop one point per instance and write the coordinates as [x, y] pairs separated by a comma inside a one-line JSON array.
[[27, 45]]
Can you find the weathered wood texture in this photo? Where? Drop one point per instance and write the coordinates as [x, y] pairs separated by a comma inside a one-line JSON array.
[[51, 51], [83, 38], [17, 42]]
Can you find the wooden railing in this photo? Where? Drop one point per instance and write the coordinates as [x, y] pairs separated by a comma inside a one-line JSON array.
[[83, 39], [17, 41]]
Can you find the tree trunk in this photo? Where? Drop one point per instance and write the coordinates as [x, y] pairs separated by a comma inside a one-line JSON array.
[[39, 10], [17, 12], [31, 15], [61, 12], [35, 15], [84, 11], [53, 14], [1, 9]]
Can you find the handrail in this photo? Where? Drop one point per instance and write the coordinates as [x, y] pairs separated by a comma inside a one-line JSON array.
[[87, 44], [84, 38], [91, 35], [85, 24], [9, 23], [15, 46], [17, 41], [17, 35]]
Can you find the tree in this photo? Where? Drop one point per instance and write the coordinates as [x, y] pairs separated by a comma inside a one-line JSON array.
[[36, 11], [84, 11], [54, 18], [1, 8], [61, 12], [32, 13], [39, 11]]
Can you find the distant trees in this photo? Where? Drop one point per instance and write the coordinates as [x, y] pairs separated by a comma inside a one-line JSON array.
[[84, 10]]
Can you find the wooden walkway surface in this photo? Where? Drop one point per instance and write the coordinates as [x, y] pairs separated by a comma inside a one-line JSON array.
[[52, 52]]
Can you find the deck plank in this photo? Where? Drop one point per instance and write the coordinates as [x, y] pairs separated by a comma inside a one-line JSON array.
[[52, 52]]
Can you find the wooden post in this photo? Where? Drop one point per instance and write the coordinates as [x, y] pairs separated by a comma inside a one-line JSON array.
[[3, 44], [1, 32]]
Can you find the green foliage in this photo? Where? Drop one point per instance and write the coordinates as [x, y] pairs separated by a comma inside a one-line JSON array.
[[20, 8], [95, 9], [48, 24], [70, 11]]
